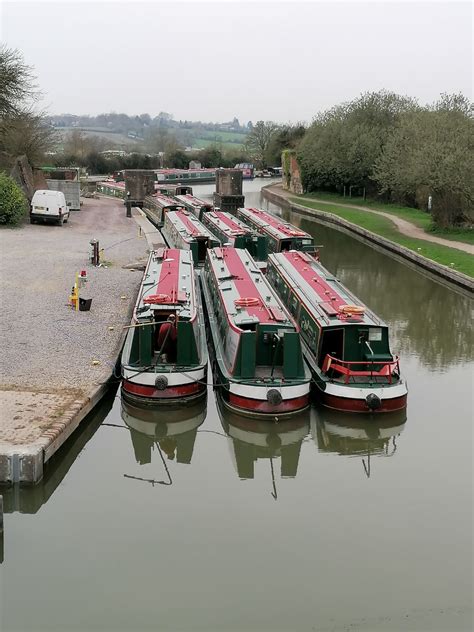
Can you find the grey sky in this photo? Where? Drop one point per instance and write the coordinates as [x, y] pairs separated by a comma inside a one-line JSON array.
[[212, 61]]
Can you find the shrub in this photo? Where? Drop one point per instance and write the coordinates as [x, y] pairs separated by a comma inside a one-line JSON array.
[[13, 203]]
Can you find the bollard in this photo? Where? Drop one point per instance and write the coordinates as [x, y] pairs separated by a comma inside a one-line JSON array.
[[94, 252]]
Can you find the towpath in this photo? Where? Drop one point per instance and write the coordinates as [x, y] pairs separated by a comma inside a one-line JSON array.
[[55, 361], [405, 227]]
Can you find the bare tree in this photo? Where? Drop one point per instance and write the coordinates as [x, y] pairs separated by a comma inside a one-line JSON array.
[[258, 141], [27, 134], [23, 131], [16, 82]]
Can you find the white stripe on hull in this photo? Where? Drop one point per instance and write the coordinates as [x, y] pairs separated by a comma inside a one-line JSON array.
[[351, 392], [174, 379], [260, 391]]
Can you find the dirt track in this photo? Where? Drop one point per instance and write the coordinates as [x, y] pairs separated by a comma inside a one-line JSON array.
[[404, 227]]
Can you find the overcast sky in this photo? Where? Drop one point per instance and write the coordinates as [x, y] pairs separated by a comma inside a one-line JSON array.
[[281, 61]]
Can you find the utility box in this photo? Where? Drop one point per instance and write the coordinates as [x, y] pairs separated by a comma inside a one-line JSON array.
[[228, 182], [139, 183]]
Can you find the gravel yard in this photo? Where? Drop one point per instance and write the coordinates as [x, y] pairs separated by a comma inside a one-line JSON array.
[[46, 346]]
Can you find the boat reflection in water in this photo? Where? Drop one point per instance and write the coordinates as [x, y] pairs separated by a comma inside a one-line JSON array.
[[172, 433], [254, 439], [357, 435]]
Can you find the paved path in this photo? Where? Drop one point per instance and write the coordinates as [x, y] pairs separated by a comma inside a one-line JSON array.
[[405, 227], [54, 359]]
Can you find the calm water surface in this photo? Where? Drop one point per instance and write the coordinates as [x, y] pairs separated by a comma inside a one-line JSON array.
[[196, 520]]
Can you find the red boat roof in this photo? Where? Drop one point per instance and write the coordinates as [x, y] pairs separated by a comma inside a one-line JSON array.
[[317, 287], [187, 225], [113, 183], [227, 223], [265, 219], [193, 201], [168, 283], [164, 200], [246, 294]]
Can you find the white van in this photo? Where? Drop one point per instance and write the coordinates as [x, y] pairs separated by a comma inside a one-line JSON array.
[[49, 206]]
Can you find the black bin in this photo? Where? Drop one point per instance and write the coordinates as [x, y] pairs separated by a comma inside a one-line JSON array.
[[84, 304]]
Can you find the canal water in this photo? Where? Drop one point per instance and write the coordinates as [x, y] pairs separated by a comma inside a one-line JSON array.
[[194, 520]]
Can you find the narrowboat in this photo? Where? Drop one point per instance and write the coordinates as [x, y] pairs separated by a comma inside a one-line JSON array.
[[191, 176], [247, 169], [157, 206], [345, 344], [173, 435], [183, 230], [173, 189], [231, 231], [256, 440], [178, 176], [164, 359], [194, 205], [258, 361], [280, 235], [112, 188]]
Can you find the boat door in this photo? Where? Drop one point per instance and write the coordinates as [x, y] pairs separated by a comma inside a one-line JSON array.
[[332, 342], [202, 249]]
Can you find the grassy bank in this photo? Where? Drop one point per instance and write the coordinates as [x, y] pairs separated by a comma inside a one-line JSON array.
[[413, 215], [450, 257]]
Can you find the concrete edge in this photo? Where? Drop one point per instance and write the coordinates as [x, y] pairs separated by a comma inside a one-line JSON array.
[[402, 253], [25, 464], [153, 236]]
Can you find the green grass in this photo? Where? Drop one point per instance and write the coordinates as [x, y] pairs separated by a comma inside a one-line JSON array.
[[450, 257], [225, 136], [415, 216], [201, 143]]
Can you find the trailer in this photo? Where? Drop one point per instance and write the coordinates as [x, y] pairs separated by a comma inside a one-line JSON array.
[[71, 190]]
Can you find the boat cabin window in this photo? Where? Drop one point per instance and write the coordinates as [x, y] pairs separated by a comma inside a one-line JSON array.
[[332, 342], [248, 326]]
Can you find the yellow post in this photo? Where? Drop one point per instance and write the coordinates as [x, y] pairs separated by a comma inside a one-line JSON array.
[[76, 291]]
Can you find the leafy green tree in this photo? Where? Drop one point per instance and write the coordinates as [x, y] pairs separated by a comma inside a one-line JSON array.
[[177, 159], [430, 153], [342, 144], [211, 156], [287, 137], [13, 204]]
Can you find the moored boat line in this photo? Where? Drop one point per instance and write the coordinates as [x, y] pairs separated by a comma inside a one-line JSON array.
[[233, 232], [345, 345], [183, 230], [194, 204], [258, 357], [158, 205], [281, 235], [164, 359]]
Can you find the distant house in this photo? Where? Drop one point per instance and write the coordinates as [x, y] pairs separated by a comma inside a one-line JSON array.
[[194, 164]]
